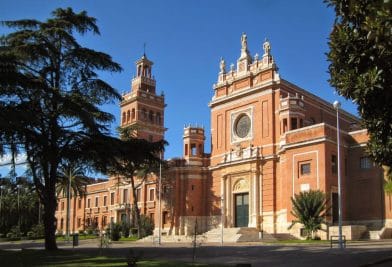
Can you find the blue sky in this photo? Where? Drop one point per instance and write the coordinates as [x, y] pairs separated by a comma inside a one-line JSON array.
[[186, 39]]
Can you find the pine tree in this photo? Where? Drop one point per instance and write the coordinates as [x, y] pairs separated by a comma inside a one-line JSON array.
[[50, 98]]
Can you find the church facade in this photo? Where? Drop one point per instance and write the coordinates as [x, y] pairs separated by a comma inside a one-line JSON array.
[[270, 140]]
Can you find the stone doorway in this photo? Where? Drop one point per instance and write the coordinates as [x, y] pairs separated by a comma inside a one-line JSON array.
[[241, 209]]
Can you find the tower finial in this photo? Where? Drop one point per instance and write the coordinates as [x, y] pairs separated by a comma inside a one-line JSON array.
[[144, 49]]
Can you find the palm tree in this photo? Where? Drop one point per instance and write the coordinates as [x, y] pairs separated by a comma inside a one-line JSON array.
[[309, 208], [71, 180]]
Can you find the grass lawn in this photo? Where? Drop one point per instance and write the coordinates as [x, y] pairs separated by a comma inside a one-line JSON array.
[[70, 258], [81, 237]]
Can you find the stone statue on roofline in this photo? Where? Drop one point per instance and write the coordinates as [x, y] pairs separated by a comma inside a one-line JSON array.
[[222, 66], [266, 47], [244, 42]]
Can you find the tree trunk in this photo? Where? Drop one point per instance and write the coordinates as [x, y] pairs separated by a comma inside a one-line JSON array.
[[136, 208], [49, 220], [50, 206]]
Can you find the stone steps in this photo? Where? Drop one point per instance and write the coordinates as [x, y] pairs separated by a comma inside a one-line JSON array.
[[230, 235]]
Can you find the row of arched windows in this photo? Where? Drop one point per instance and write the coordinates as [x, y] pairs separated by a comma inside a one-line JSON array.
[[149, 116]]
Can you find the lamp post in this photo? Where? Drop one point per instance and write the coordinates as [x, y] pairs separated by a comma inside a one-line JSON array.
[[222, 217], [336, 105], [159, 199]]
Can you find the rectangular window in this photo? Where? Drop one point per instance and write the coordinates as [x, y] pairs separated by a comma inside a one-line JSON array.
[[96, 202], [105, 198], [88, 203], [152, 194], [112, 198], [138, 194], [125, 196], [152, 217], [62, 205], [193, 187], [104, 220], [164, 217], [305, 168], [193, 149], [284, 125], [334, 164], [78, 223], [79, 203], [365, 163], [294, 123]]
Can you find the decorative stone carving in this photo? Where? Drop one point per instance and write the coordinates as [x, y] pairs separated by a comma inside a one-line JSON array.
[[241, 186]]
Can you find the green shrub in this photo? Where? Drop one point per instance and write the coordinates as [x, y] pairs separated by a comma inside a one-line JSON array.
[[125, 228], [133, 231], [147, 225], [14, 232], [30, 235], [38, 231], [114, 231], [90, 230]]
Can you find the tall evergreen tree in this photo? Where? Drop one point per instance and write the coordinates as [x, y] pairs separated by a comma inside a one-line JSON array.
[[361, 67], [50, 98]]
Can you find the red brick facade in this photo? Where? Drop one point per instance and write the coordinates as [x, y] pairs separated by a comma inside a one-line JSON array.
[[270, 139]]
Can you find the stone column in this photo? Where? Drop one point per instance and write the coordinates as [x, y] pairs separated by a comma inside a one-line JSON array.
[[255, 199]]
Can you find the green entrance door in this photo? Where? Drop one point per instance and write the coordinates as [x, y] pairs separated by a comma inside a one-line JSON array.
[[241, 210]]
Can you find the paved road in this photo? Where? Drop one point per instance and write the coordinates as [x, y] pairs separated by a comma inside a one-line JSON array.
[[378, 254]]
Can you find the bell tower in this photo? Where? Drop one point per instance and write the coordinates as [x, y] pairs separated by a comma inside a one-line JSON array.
[[142, 108]]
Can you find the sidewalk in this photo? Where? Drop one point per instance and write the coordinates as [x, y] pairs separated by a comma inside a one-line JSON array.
[[360, 253]]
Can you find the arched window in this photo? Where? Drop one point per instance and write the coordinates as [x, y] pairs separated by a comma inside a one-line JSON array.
[[151, 116], [139, 68], [128, 115], [133, 114], [159, 118], [123, 117], [144, 112]]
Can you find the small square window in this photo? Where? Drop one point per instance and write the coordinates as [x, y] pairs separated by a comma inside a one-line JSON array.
[[365, 163], [305, 168]]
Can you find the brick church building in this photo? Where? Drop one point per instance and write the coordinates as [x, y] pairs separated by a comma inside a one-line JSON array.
[[270, 139]]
